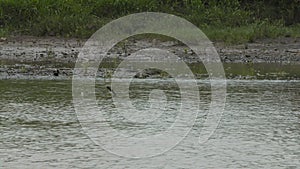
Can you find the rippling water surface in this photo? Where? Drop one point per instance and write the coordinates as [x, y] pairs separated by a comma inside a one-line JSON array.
[[260, 127]]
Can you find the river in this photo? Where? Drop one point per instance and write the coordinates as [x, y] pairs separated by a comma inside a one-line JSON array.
[[259, 128]]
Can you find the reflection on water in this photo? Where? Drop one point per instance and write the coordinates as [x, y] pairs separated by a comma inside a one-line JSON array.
[[259, 128]]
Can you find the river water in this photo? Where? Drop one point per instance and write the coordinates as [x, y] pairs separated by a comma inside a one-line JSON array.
[[260, 126]]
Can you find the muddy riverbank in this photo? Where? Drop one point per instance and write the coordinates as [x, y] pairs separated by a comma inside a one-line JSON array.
[[41, 56]]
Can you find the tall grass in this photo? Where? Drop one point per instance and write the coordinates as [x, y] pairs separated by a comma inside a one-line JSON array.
[[221, 20]]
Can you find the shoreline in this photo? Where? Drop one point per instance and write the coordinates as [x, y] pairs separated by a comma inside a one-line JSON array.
[[40, 56]]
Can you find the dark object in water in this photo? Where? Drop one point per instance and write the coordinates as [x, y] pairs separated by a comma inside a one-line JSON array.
[[56, 72], [109, 88]]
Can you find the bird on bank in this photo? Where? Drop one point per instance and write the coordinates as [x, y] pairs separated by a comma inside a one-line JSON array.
[[56, 72]]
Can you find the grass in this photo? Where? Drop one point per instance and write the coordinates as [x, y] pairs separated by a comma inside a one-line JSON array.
[[4, 32], [224, 20], [251, 32]]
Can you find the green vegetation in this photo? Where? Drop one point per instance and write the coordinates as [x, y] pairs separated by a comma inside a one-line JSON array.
[[232, 21]]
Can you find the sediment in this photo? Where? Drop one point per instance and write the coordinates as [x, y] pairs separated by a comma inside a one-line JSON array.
[[40, 56]]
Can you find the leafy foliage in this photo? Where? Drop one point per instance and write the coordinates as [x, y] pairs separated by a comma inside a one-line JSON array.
[[80, 18]]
